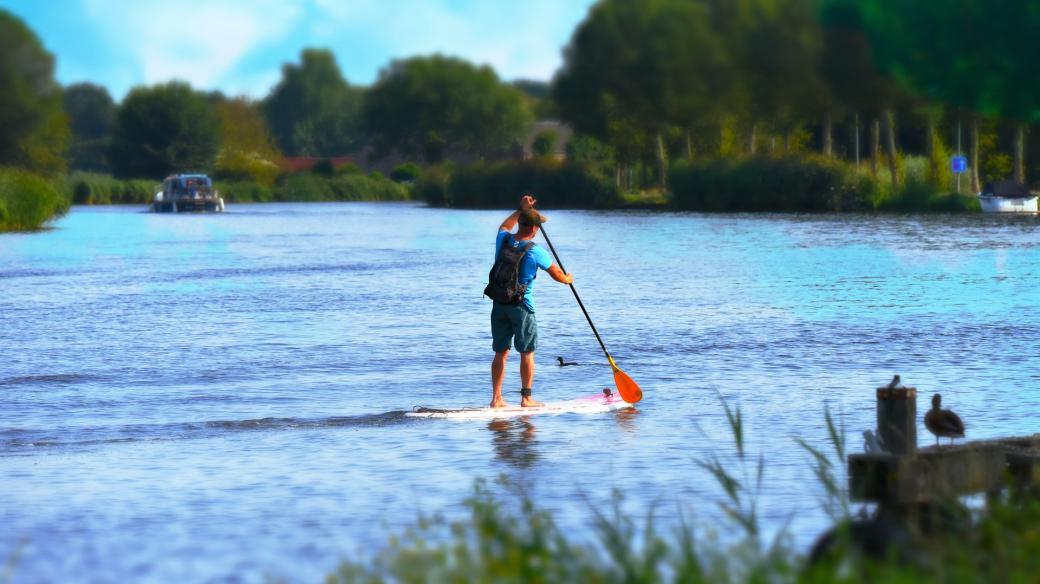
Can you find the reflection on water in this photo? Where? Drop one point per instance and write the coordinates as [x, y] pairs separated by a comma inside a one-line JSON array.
[[514, 441], [627, 418]]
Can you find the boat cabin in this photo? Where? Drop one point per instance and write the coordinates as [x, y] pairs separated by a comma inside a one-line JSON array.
[[1007, 196], [187, 192]]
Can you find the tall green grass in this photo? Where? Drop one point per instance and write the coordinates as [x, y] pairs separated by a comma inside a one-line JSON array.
[[919, 192], [306, 187], [90, 188], [27, 201], [791, 183], [85, 188], [500, 184], [808, 184], [500, 542], [315, 187], [244, 192]]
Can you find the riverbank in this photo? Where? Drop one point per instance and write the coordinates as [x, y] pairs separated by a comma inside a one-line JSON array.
[[499, 185], [753, 184], [758, 184], [28, 201], [100, 189], [807, 184]]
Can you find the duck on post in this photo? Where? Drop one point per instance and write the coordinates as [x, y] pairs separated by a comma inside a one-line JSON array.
[[943, 423]]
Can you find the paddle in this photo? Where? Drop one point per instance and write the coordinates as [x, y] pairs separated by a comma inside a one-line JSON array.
[[628, 389]]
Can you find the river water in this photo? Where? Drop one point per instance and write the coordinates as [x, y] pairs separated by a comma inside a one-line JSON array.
[[221, 398]]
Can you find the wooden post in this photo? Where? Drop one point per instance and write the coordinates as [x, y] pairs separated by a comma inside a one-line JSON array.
[[897, 419]]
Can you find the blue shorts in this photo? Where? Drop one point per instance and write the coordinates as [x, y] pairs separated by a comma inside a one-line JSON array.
[[513, 321]]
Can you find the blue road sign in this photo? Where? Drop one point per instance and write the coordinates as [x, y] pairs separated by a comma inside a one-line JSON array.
[[959, 164]]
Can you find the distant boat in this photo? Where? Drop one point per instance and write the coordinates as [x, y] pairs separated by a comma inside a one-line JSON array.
[[182, 193], [1007, 196]]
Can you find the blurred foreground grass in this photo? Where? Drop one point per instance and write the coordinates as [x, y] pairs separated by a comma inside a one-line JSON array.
[[500, 543]]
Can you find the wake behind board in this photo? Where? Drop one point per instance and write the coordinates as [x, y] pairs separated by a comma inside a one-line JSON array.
[[593, 404]]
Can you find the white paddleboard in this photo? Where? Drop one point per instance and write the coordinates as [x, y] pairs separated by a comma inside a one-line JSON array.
[[592, 404]]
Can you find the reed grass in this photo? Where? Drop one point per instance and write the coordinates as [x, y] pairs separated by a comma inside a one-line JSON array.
[[244, 191], [500, 184], [311, 187], [86, 188], [778, 184], [91, 188], [801, 183], [494, 544], [28, 201]]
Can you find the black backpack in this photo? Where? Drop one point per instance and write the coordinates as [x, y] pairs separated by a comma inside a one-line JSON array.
[[503, 280]]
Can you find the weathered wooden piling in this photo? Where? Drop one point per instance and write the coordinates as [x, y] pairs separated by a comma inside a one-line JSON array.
[[916, 491], [929, 475], [897, 418], [904, 475]]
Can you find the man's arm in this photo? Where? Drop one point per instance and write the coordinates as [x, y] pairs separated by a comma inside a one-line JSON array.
[[526, 202], [510, 221], [559, 275]]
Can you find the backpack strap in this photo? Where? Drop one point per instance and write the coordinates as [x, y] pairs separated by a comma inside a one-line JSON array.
[[509, 239]]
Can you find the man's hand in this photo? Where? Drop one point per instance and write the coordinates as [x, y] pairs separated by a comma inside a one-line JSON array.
[[557, 274], [527, 201]]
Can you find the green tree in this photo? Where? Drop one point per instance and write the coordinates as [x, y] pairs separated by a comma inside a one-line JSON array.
[[633, 69], [406, 172], [33, 128], [538, 98], [847, 66], [246, 151], [923, 44], [90, 111], [777, 49], [163, 129], [854, 79], [424, 106], [313, 111], [544, 143]]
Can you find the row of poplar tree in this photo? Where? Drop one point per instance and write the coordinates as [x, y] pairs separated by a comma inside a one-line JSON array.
[[650, 81]]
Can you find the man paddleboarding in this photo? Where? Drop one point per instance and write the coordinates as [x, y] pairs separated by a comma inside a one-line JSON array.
[[517, 261]]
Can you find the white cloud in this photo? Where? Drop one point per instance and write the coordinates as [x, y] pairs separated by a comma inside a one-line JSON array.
[[518, 39], [199, 41], [237, 45]]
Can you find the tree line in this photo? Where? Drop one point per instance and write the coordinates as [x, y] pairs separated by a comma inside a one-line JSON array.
[[661, 78], [313, 111], [643, 84], [425, 108]]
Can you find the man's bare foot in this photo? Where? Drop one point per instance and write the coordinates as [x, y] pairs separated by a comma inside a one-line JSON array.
[[529, 402], [499, 403]]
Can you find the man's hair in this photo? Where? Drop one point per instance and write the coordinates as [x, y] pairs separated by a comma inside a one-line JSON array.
[[530, 217]]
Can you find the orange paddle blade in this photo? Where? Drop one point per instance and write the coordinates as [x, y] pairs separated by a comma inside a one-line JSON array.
[[628, 389]]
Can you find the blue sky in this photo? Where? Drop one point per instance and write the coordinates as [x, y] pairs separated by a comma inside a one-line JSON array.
[[238, 46]]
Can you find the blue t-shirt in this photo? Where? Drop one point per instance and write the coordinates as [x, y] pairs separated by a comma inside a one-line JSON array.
[[536, 257]]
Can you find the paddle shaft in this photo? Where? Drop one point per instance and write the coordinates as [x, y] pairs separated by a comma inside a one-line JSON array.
[[576, 297]]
